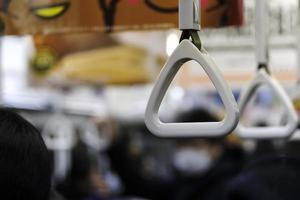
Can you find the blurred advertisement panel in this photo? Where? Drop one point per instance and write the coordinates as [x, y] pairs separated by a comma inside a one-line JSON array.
[[58, 16]]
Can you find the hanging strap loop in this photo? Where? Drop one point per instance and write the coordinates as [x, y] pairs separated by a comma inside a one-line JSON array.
[[190, 48], [187, 51], [263, 77], [277, 132]]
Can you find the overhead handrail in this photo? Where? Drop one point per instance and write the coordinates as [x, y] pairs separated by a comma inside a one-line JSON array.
[[186, 51], [264, 77]]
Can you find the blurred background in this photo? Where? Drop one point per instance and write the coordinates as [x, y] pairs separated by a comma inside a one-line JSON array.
[[87, 92]]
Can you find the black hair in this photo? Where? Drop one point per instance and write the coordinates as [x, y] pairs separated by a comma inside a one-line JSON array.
[[25, 164], [196, 115]]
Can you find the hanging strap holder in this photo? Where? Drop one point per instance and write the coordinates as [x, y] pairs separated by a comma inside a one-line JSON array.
[[263, 77], [186, 51], [277, 132]]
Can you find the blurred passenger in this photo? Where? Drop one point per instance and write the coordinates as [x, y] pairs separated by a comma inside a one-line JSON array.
[[204, 165], [274, 177], [272, 173], [25, 164], [263, 148], [83, 182], [198, 168], [141, 160]]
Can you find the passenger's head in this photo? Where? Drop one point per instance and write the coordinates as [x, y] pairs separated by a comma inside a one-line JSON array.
[[25, 165], [83, 179]]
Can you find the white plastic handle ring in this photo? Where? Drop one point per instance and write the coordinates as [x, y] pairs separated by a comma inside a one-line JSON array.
[[277, 132], [185, 52]]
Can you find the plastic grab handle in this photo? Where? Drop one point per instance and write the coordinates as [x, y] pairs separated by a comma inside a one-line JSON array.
[[276, 132], [185, 52]]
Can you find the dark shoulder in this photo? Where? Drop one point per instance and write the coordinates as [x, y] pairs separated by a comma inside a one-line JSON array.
[[55, 196]]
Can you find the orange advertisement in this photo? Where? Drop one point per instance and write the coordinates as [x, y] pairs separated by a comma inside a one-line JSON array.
[[61, 16]]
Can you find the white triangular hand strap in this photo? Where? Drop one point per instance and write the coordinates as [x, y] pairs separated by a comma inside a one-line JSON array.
[[185, 52], [262, 78]]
